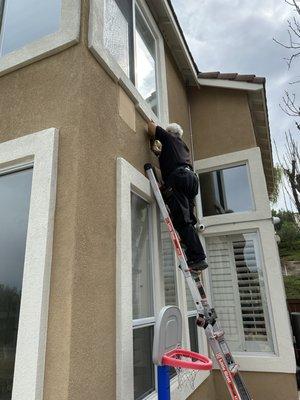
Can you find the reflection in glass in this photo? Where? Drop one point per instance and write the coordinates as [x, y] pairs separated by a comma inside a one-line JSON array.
[[15, 191], [225, 191], [118, 33], [145, 62], [142, 297], [238, 291], [27, 21], [144, 381]]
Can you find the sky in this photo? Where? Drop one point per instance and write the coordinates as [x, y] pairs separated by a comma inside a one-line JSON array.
[[237, 36]]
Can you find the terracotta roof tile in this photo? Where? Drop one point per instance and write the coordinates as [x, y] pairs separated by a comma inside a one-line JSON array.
[[232, 77]]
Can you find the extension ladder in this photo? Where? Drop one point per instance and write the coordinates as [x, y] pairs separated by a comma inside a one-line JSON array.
[[206, 315]]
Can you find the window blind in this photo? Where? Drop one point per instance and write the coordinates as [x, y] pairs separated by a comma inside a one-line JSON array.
[[238, 291]]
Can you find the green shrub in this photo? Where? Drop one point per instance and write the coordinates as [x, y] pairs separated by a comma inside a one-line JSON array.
[[292, 287]]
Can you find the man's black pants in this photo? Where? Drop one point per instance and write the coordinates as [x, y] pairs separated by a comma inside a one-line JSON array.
[[184, 184]]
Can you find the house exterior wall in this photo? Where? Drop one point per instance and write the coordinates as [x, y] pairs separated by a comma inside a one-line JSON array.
[[72, 92], [262, 386], [221, 121]]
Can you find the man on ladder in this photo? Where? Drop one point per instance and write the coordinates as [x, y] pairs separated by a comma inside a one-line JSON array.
[[181, 188]]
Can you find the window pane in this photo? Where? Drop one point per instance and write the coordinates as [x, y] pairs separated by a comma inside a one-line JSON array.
[[145, 62], [189, 300], [144, 381], [1, 13], [142, 297], [169, 266], [238, 291], [118, 33], [26, 21], [193, 331], [15, 191], [225, 191]]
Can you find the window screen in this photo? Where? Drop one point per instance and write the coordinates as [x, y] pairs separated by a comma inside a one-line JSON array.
[[226, 191], [26, 21], [238, 291], [15, 191]]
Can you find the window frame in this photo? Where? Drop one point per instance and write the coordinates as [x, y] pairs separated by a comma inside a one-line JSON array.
[[66, 36], [260, 221], [95, 44], [40, 150], [129, 179]]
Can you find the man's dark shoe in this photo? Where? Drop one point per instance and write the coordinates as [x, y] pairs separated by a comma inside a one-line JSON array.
[[197, 266]]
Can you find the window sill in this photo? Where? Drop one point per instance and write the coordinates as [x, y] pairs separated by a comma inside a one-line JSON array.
[[46, 46], [265, 362]]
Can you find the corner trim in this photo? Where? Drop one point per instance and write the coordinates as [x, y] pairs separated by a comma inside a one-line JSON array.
[[41, 150]]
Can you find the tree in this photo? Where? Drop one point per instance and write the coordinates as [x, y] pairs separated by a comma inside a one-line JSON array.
[[290, 164], [293, 33]]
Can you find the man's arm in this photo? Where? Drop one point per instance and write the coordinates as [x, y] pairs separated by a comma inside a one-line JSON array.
[[151, 129]]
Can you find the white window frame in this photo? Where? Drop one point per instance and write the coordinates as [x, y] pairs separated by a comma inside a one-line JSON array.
[[66, 36], [95, 43], [129, 179], [40, 150], [260, 221], [252, 159]]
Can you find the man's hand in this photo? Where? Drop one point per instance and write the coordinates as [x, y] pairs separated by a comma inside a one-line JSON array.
[[151, 129]]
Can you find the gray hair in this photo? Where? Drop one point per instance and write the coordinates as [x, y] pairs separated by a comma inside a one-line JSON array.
[[175, 129]]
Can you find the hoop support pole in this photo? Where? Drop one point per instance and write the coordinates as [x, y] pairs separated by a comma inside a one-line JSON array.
[[163, 380]]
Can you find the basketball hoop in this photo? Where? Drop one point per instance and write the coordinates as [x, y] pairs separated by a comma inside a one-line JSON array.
[[187, 364]]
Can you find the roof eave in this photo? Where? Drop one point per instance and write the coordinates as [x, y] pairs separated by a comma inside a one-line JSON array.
[[170, 28]]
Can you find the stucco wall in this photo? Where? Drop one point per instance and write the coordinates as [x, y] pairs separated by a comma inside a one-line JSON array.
[[72, 92], [221, 121], [262, 386]]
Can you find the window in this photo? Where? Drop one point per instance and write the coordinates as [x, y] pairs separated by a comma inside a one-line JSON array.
[[133, 48], [26, 250], [33, 29], [226, 191], [125, 39], [146, 281], [142, 297], [239, 292], [15, 191], [192, 314], [26, 21]]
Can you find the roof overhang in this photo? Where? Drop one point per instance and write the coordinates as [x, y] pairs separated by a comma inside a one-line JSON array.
[[169, 26], [257, 100]]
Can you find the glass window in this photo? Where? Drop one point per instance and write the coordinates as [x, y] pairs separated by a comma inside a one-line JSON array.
[[15, 189], [118, 33], [193, 332], [238, 291], [144, 380], [226, 191], [26, 21], [133, 46], [145, 62], [142, 297]]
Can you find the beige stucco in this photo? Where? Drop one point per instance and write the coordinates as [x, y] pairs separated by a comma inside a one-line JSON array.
[[262, 386], [72, 92], [221, 121]]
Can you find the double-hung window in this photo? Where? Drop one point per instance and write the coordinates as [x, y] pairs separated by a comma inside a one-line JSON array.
[[244, 269], [131, 48], [147, 280]]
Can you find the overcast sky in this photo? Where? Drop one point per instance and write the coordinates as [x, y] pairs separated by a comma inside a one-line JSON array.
[[237, 36]]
